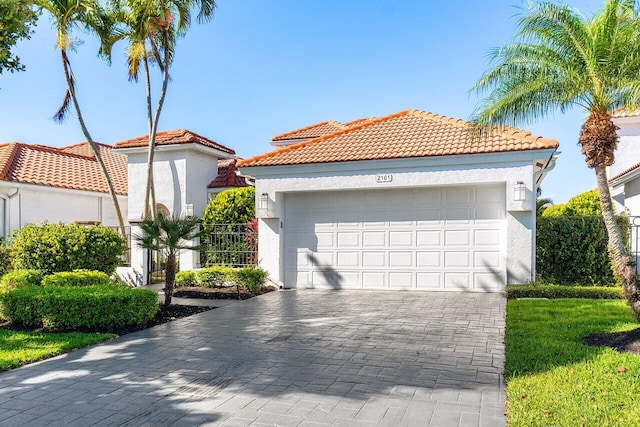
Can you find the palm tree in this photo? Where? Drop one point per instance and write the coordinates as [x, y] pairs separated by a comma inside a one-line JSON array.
[[170, 235], [66, 15], [151, 28], [558, 60]]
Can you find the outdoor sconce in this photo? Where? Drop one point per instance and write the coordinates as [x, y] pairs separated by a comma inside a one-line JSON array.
[[263, 202], [188, 209], [519, 192]]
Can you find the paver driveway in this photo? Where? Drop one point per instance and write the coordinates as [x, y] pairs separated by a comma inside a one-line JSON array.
[[340, 358]]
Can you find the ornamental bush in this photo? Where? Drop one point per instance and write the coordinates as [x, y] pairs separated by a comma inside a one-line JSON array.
[[186, 278], [214, 276], [573, 250], [17, 279], [584, 204], [98, 307], [77, 278], [66, 247], [556, 291], [251, 278], [234, 206]]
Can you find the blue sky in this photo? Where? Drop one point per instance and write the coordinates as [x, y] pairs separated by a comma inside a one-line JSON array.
[[261, 68]]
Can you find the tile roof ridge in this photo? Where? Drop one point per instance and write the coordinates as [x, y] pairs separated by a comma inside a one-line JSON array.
[[79, 144], [302, 129], [321, 138], [54, 150], [624, 172], [13, 146]]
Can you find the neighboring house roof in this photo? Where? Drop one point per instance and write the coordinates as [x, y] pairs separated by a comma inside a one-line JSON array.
[[406, 134], [623, 173], [63, 168], [227, 176], [172, 137], [626, 112], [312, 131]]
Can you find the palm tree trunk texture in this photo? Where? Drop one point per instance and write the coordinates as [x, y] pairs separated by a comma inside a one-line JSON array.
[[70, 87], [622, 262], [170, 279]]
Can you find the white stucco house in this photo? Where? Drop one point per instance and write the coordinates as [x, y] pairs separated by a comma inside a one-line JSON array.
[[40, 183], [624, 174], [407, 201]]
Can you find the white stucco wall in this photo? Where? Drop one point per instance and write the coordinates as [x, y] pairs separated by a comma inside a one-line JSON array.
[[628, 151], [24, 204], [506, 169]]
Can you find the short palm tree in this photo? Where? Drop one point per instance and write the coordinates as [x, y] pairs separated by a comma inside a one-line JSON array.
[[151, 28], [558, 60], [170, 235], [67, 14]]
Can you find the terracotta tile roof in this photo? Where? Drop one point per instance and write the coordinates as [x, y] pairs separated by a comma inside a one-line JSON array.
[[626, 112], [40, 165], [313, 131], [227, 176], [623, 173], [405, 134], [171, 137]]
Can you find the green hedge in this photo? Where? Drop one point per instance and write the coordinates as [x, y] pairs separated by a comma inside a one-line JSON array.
[[19, 279], [251, 278], [66, 247], [557, 291], [99, 307], [573, 250], [77, 278]]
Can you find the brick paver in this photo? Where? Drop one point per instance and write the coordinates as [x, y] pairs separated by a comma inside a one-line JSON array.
[[288, 358]]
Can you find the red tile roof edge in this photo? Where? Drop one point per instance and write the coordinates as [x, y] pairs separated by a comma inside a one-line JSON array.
[[292, 147], [626, 171], [286, 135], [10, 158], [79, 144], [145, 138]]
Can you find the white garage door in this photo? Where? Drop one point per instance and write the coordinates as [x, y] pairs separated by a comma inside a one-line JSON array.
[[447, 238]]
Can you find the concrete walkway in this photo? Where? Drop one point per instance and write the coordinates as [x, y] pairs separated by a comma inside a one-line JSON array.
[[288, 358]]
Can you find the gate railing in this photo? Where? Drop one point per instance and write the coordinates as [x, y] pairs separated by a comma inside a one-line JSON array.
[[234, 245]]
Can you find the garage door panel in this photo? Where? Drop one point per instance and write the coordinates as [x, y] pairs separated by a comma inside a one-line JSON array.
[[400, 238], [373, 279], [457, 238], [348, 259], [429, 281], [447, 238], [400, 259], [429, 259], [374, 238], [400, 280], [374, 259], [429, 238]]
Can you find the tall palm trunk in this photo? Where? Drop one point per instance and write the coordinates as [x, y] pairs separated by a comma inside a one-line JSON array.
[[150, 202], [622, 263], [170, 278], [66, 66]]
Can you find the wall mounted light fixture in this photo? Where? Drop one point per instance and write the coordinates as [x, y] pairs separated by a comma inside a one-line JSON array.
[[519, 192], [263, 202]]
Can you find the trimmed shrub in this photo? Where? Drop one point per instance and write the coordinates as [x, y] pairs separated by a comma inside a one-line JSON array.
[[573, 250], [99, 307], [251, 278], [556, 291], [17, 279], [234, 206], [186, 278], [584, 204], [77, 278], [5, 259], [215, 276], [66, 247]]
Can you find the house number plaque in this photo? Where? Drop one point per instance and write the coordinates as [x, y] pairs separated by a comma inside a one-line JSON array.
[[384, 177]]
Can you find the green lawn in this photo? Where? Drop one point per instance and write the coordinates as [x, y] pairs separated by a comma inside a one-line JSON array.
[[555, 380], [18, 348]]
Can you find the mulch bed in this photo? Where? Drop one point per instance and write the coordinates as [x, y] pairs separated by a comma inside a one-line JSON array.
[[628, 342], [224, 292]]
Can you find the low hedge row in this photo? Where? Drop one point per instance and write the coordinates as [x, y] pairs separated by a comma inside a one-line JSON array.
[[558, 291], [98, 307], [17, 279], [251, 278]]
